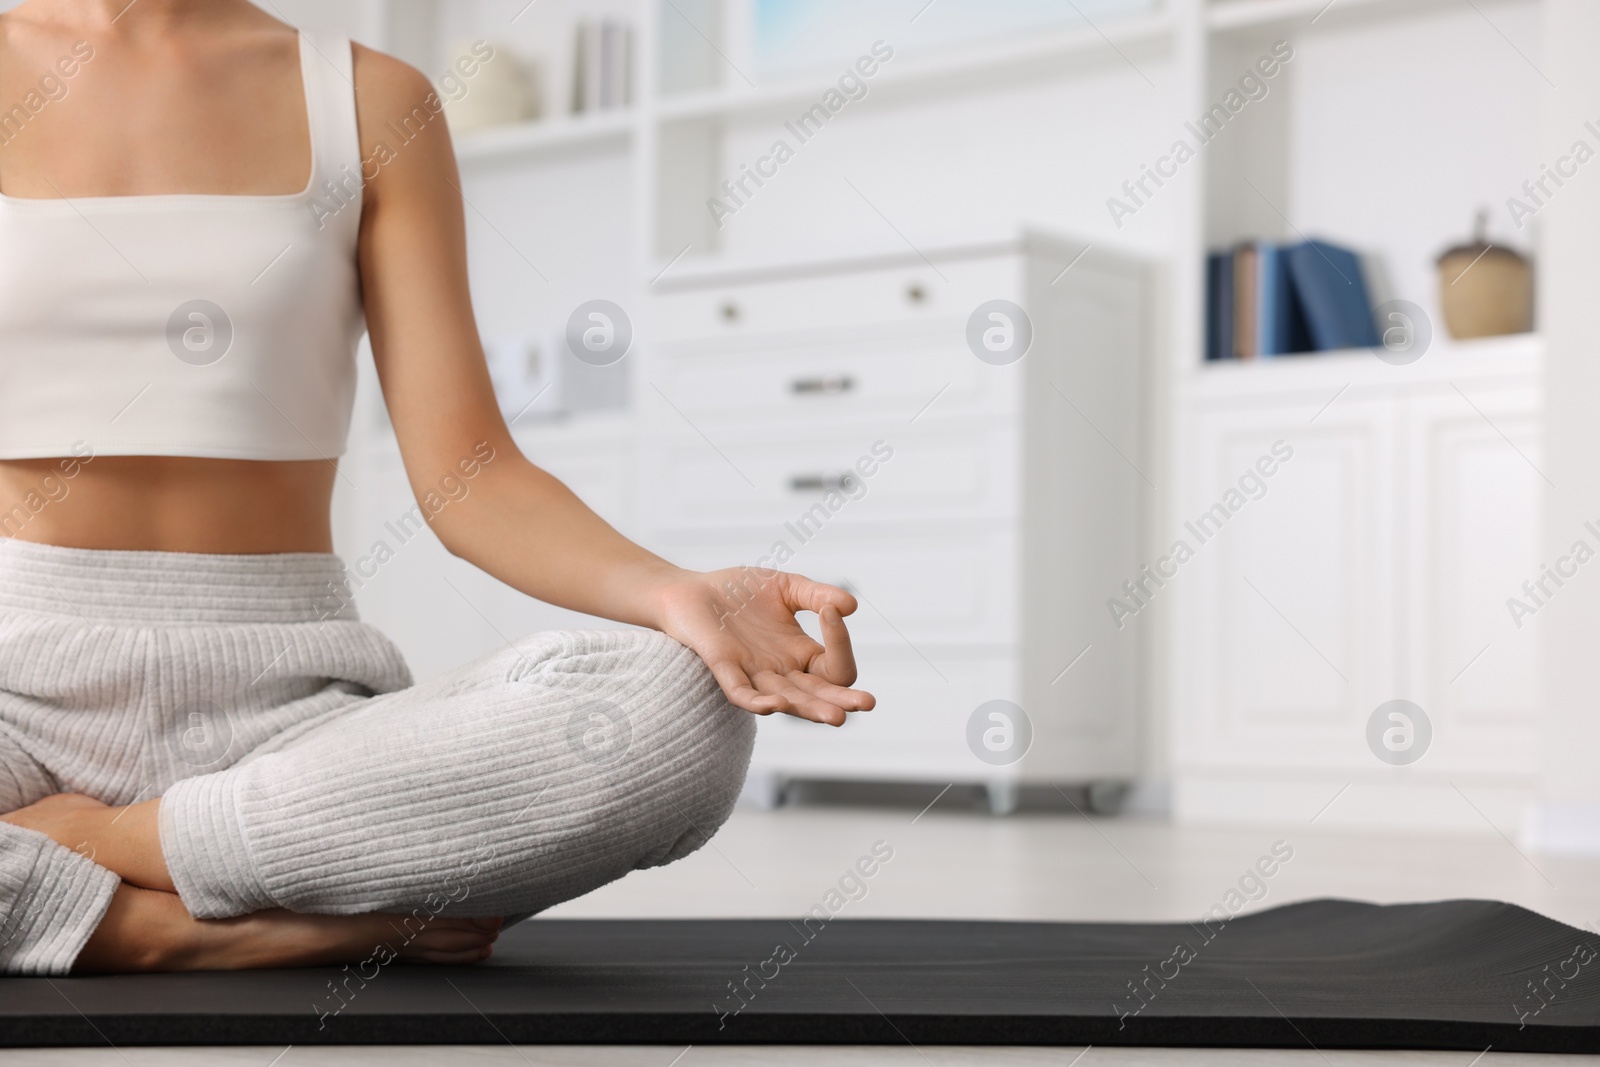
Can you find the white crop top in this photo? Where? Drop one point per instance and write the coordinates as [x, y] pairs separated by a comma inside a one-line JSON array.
[[191, 324]]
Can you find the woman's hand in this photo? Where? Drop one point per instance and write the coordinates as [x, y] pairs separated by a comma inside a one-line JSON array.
[[741, 621]]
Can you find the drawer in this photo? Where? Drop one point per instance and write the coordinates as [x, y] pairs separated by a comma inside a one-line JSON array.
[[804, 481], [796, 302], [917, 731], [897, 378], [915, 593]]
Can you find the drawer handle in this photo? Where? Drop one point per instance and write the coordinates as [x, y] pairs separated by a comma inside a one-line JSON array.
[[823, 385], [801, 483]]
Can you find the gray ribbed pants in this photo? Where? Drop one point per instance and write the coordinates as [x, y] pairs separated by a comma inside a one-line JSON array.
[[299, 767]]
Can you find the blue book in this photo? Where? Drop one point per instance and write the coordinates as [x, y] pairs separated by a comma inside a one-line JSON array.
[[1332, 293], [1219, 305], [1280, 320]]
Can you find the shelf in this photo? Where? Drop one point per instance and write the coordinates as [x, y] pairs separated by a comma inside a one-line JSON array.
[[1224, 16], [608, 129], [1517, 354], [1011, 59], [696, 272]]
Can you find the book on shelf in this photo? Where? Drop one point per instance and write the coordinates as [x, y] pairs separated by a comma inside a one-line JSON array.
[[1280, 316], [1219, 306], [1328, 278], [1244, 302], [1265, 299], [602, 68]]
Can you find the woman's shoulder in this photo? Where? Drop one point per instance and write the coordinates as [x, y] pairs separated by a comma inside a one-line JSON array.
[[388, 81], [400, 117], [394, 100]]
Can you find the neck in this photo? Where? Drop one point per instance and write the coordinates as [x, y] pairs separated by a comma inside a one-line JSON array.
[[122, 15]]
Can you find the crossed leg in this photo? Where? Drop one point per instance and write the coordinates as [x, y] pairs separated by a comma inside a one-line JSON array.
[[62, 907], [51, 893], [530, 777]]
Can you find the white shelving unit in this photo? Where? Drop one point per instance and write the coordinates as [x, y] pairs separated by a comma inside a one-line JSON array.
[[1393, 123], [1378, 568], [526, 143], [674, 149]]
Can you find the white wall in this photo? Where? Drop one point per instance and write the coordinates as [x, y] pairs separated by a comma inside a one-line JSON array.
[[963, 166], [1570, 817]]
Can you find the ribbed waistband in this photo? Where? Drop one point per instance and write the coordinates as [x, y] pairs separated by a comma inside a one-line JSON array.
[[117, 587]]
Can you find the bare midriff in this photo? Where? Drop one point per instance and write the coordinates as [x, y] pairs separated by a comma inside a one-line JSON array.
[[169, 503]]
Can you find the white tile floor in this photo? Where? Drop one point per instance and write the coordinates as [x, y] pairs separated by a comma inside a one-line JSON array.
[[958, 864]]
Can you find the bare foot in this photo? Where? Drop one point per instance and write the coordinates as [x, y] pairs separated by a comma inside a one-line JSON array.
[[53, 814], [147, 927], [125, 840], [148, 930]]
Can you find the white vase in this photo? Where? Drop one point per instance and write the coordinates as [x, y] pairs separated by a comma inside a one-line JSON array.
[[487, 85]]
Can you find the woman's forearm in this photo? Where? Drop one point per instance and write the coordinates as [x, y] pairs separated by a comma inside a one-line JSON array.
[[522, 525]]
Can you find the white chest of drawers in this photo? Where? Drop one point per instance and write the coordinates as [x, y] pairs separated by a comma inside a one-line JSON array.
[[835, 419]]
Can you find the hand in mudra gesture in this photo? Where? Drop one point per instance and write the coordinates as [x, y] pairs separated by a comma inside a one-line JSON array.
[[741, 621]]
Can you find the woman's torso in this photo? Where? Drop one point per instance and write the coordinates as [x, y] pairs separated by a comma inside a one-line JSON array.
[[169, 504], [214, 107]]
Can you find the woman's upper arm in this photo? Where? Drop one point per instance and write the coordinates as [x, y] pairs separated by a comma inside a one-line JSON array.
[[414, 272]]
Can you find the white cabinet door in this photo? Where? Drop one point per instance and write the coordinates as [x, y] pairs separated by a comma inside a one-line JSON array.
[[1472, 504], [1283, 633]]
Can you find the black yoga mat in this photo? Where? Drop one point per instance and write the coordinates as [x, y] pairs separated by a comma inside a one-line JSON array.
[[1463, 974]]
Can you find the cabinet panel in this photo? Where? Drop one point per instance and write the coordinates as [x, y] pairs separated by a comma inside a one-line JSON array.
[[1285, 623], [781, 480], [738, 310], [895, 379], [1473, 508], [1378, 566]]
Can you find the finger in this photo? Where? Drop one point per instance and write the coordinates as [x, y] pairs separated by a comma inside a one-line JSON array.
[[805, 706], [471, 927], [798, 702], [740, 693], [804, 594], [838, 695], [421, 955], [837, 661]]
